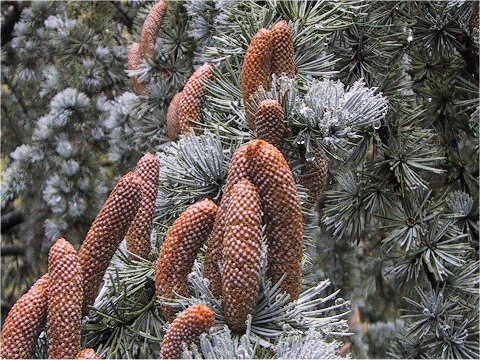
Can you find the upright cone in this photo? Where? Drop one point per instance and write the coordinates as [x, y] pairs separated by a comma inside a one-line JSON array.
[[256, 69], [186, 328], [269, 122], [65, 298], [186, 106], [193, 96], [264, 166], [213, 257], [134, 61], [24, 321], [180, 249], [173, 123], [283, 62], [241, 254], [106, 233], [138, 235], [150, 28], [315, 174], [282, 212]]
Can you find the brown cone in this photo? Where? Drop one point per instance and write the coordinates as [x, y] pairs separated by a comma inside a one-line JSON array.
[[186, 328], [238, 170], [87, 354], [193, 96], [138, 236], [65, 297], [180, 249], [24, 321], [173, 124], [269, 122], [282, 212], [150, 28], [264, 165], [256, 69], [106, 233], [315, 174], [241, 254], [283, 62], [134, 61]]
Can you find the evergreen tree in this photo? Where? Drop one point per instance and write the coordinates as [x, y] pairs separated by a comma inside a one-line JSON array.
[[306, 152]]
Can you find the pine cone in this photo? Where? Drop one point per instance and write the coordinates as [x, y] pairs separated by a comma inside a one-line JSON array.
[[65, 297], [269, 122], [138, 236], [282, 212], [150, 28], [256, 69], [87, 354], [315, 174], [106, 233], [24, 321], [134, 61], [283, 61], [193, 96], [213, 256], [241, 254], [187, 327], [180, 249], [264, 165], [173, 124]]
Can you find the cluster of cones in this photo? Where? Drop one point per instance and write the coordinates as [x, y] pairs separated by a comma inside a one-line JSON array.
[[63, 295], [272, 52], [260, 190], [259, 182], [186, 105]]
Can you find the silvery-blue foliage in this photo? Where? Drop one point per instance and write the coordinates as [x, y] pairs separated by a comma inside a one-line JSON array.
[[193, 168], [313, 345], [339, 112], [274, 314], [222, 344]]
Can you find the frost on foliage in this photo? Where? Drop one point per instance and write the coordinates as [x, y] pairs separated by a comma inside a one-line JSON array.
[[63, 105], [338, 112], [449, 326], [59, 164], [14, 181], [222, 344], [51, 80], [461, 204], [205, 16], [464, 209], [125, 313], [114, 118], [311, 346], [61, 26], [192, 168], [282, 89], [274, 315]]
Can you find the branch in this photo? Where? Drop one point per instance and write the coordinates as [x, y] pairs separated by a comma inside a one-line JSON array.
[[13, 250], [10, 219], [128, 19], [11, 19]]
